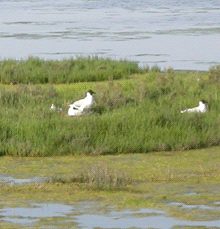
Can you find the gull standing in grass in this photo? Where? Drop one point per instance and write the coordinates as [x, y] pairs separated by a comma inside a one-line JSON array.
[[81, 106], [203, 107]]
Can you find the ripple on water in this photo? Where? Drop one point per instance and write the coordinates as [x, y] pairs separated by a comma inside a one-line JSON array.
[[179, 30]]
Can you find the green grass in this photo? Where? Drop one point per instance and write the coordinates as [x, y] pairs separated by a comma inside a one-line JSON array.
[[39, 71], [139, 114], [98, 177]]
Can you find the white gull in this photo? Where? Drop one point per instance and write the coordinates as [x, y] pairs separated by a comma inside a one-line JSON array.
[[203, 107], [83, 105], [74, 112]]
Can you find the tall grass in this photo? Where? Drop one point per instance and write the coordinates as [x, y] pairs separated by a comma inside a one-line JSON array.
[[39, 71], [139, 114], [214, 74]]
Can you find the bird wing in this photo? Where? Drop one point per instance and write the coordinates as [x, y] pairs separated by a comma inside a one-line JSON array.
[[79, 103], [82, 104]]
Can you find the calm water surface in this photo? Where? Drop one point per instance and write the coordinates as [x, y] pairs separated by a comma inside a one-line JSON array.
[[181, 34]]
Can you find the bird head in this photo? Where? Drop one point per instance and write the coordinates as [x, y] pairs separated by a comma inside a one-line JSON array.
[[91, 92], [202, 101]]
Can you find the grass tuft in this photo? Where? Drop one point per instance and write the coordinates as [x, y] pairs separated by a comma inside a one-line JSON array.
[[99, 177], [214, 74]]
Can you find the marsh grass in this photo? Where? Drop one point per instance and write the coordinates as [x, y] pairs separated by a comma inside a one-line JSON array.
[[135, 115], [127, 180], [99, 177], [214, 74], [39, 71]]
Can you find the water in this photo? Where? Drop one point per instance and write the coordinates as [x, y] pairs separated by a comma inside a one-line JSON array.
[[87, 215], [160, 222], [34, 213], [200, 206], [180, 34], [10, 180]]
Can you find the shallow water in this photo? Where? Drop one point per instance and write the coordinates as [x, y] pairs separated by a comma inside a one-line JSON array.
[[180, 34], [33, 214], [200, 206], [88, 215], [16, 181], [163, 222]]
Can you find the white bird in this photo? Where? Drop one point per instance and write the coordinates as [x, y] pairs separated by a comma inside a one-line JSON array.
[[203, 107], [53, 107], [73, 111], [85, 103], [82, 106]]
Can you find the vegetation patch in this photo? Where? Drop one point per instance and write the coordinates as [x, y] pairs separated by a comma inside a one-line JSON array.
[[135, 115], [39, 71], [98, 178]]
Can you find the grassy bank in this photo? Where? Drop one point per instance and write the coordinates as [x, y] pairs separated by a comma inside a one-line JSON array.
[[134, 115]]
